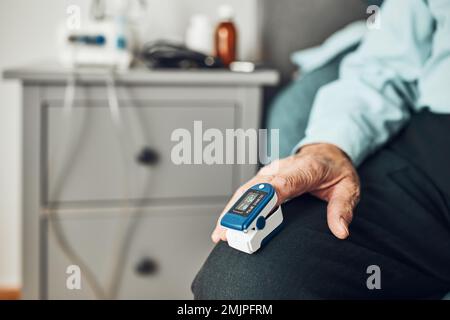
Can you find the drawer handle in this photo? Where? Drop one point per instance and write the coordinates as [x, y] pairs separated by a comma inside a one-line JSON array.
[[146, 267], [147, 157]]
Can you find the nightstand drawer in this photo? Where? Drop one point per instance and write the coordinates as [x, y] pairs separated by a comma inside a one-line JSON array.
[[90, 160], [164, 252]]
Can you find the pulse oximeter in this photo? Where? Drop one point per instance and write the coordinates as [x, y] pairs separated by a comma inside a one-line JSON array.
[[254, 219]]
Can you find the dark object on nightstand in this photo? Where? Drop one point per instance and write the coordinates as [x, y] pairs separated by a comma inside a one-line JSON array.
[[162, 54]]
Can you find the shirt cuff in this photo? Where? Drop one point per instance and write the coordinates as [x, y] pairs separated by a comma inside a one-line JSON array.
[[349, 138]]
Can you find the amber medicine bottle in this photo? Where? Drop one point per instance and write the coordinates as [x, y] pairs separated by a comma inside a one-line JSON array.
[[226, 36]]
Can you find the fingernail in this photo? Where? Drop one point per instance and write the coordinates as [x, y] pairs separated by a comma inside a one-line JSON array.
[[344, 225]]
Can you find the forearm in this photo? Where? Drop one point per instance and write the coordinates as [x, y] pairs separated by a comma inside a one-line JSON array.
[[371, 100]]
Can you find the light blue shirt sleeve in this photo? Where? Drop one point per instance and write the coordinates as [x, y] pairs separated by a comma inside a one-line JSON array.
[[377, 85]]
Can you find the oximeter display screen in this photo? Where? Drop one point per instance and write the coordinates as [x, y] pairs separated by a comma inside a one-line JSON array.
[[248, 202]]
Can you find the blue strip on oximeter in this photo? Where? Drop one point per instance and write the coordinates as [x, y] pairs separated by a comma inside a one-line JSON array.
[[253, 218]]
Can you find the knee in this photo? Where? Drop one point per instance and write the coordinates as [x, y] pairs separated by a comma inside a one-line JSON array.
[[202, 284], [280, 270], [214, 280], [250, 277], [229, 274]]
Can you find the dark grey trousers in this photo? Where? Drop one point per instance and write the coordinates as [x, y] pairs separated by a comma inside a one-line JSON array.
[[401, 225]]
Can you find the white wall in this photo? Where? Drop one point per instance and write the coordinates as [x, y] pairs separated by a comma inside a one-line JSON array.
[[26, 29], [27, 34]]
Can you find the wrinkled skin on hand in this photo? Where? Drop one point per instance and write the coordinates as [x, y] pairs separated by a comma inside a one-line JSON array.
[[320, 169]]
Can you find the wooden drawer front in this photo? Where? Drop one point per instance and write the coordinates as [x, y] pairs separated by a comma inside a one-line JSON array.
[[175, 246], [89, 159]]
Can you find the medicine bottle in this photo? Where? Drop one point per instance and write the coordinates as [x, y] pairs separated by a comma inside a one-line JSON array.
[[226, 36]]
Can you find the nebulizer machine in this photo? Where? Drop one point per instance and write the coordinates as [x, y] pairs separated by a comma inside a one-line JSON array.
[[106, 43], [106, 38]]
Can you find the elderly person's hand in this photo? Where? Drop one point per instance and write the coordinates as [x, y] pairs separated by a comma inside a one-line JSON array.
[[320, 169]]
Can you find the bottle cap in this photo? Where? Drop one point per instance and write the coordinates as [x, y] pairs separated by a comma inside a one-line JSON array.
[[226, 12]]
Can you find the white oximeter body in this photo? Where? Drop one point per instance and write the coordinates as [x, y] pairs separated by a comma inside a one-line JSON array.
[[254, 219]]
